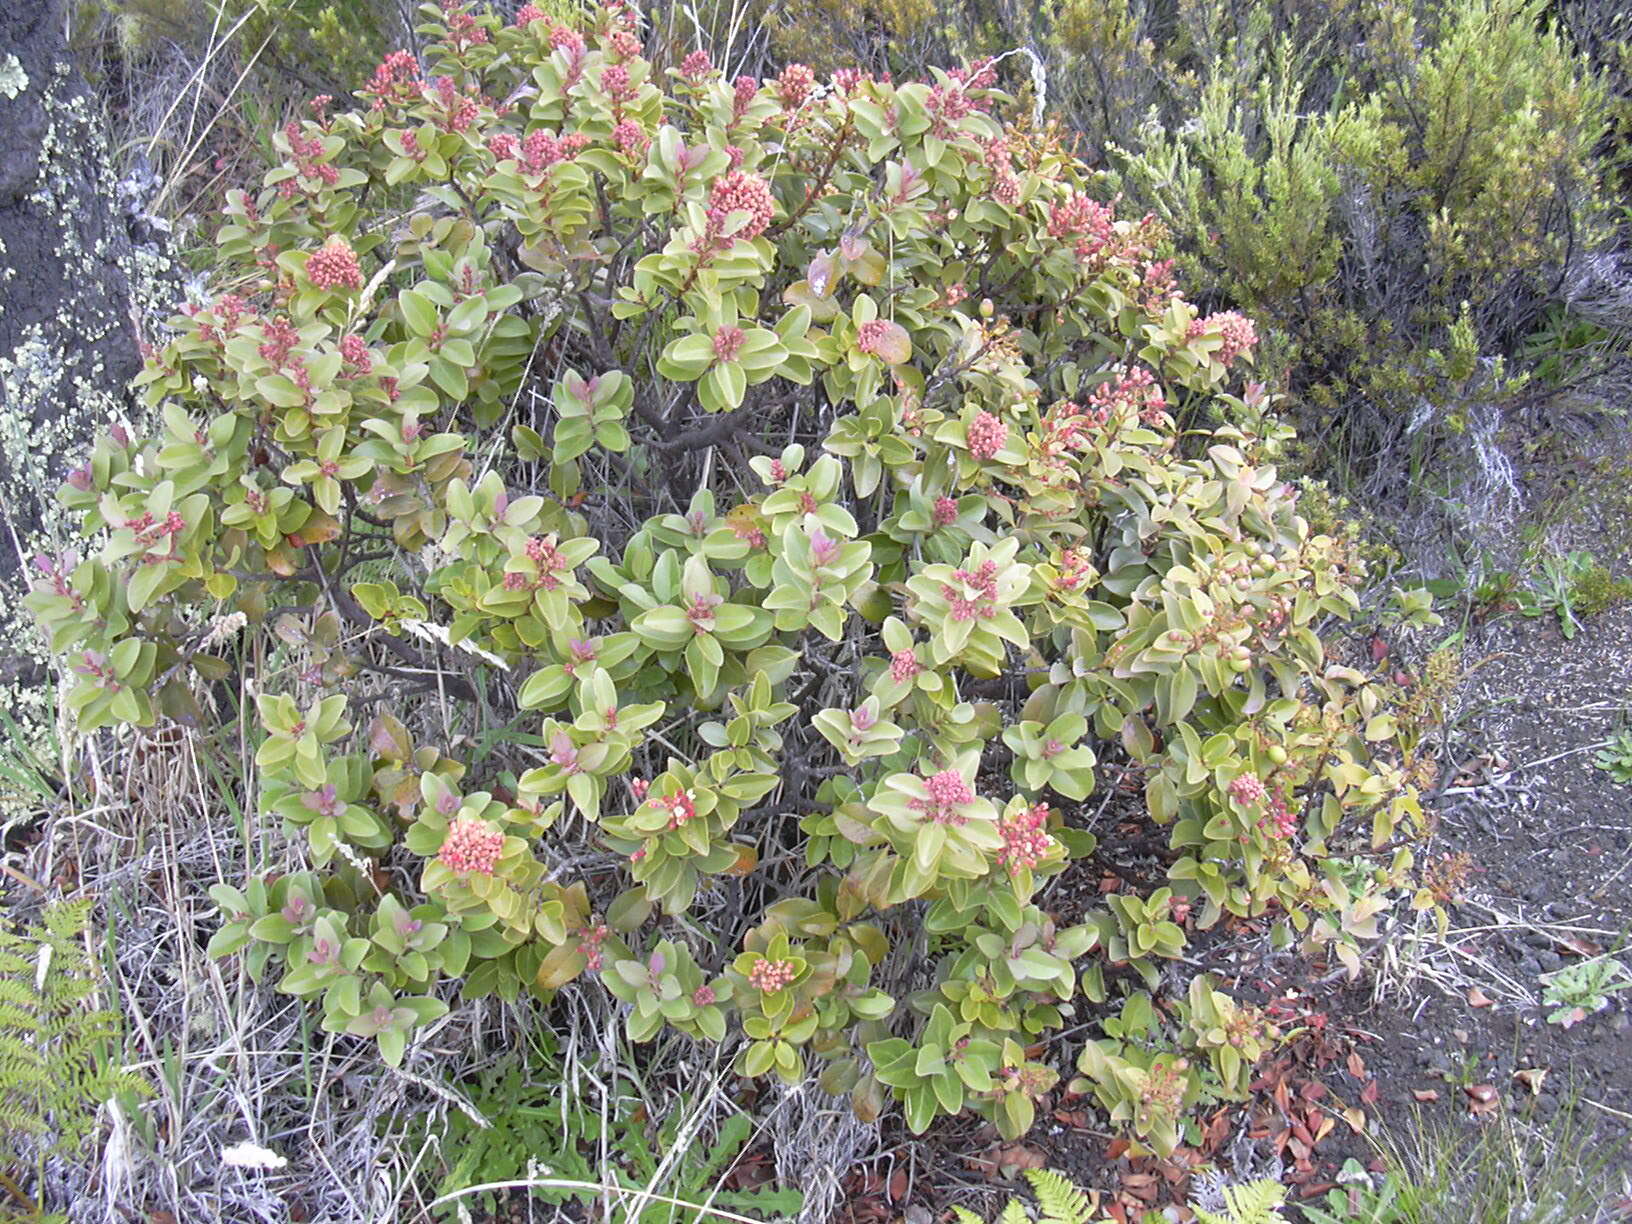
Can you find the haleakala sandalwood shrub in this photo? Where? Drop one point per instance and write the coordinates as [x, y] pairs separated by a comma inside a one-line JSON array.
[[722, 542]]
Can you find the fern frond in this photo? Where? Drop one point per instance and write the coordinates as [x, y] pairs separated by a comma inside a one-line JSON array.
[[1014, 1213], [962, 1215], [1062, 1202], [1254, 1202]]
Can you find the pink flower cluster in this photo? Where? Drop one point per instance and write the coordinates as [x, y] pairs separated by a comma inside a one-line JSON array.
[[728, 343], [987, 435], [696, 66], [460, 109], [1083, 218], [945, 512], [744, 192], [334, 266], [794, 85], [947, 793], [1005, 182], [1133, 391], [870, 337], [1247, 790], [904, 666], [1279, 818], [471, 846], [1025, 843], [703, 996], [983, 603], [768, 976], [615, 82], [1234, 328], [631, 138], [544, 554], [354, 349], [743, 91], [948, 105], [529, 13], [591, 941], [306, 150], [680, 806], [393, 80]]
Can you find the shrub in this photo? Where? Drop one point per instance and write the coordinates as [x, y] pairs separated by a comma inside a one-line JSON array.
[[771, 495]]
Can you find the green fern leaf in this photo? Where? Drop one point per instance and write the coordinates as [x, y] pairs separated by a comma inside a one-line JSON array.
[[1062, 1202]]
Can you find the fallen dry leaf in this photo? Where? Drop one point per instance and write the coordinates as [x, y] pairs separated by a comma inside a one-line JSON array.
[[1531, 1078], [1356, 1119], [1478, 998], [1482, 1098], [1425, 1094]]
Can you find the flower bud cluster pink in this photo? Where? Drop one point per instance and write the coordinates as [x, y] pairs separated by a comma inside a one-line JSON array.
[[948, 791], [987, 435], [471, 846], [1247, 789], [334, 266], [768, 976], [1025, 841]]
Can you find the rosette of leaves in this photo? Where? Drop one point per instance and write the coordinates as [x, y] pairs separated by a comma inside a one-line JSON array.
[[594, 748], [511, 890], [689, 619], [859, 733], [1134, 929], [295, 739], [1232, 1035], [333, 812], [666, 986], [748, 740], [937, 825], [968, 609], [1052, 756], [1137, 1077], [933, 1074], [1017, 1084], [816, 577], [679, 832]]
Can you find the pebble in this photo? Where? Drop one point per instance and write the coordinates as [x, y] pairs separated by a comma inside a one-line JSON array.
[[1549, 960]]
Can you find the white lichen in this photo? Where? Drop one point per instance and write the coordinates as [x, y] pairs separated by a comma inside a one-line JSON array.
[[13, 80]]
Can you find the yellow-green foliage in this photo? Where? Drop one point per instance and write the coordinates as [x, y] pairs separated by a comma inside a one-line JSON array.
[[1058, 1202], [57, 1039]]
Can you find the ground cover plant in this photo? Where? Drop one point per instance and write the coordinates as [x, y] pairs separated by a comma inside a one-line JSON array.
[[704, 543]]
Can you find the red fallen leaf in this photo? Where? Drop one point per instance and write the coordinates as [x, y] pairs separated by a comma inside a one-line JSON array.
[[1312, 1090], [1314, 1188], [1368, 1094], [1077, 1119], [1576, 945], [898, 1185], [1425, 1094], [1118, 1212], [1478, 998], [1379, 649], [1299, 1149], [1115, 1148], [1403, 679], [1356, 1065]]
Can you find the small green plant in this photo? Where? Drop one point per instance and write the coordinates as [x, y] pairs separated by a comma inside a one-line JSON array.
[[1615, 758], [1579, 990], [1058, 1202], [529, 1130], [1359, 1199], [59, 1044]]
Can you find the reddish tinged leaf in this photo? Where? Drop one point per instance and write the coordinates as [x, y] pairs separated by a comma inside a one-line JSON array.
[[898, 1185], [1368, 1094], [1356, 1065], [1115, 1148], [1425, 1094], [1379, 649]]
